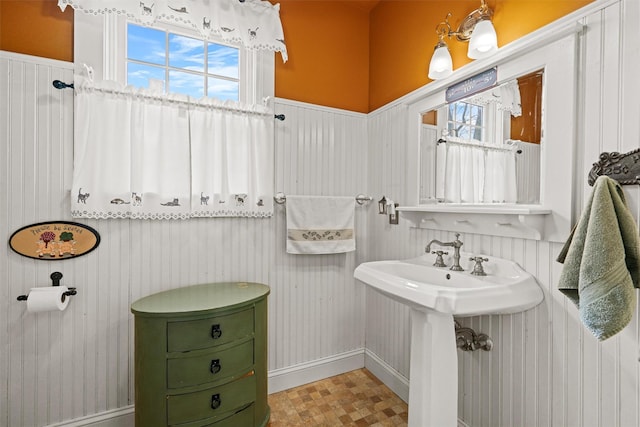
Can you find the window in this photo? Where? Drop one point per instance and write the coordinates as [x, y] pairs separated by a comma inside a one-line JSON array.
[[466, 121], [185, 65]]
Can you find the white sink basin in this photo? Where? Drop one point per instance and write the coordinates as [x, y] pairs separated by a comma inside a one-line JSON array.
[[434, 295], [506, 288]]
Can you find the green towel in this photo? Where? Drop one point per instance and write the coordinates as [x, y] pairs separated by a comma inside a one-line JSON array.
[[601, 261]]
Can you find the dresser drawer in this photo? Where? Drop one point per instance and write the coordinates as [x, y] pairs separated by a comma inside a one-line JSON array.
[[214, 404], [242, 418], [214, 365], [195, 334]]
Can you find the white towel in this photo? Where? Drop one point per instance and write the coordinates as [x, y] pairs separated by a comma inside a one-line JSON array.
[[320, 225]]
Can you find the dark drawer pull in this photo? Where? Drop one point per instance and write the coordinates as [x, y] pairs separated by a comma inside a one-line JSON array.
[[216, 332], [215, 401], [215, 366]]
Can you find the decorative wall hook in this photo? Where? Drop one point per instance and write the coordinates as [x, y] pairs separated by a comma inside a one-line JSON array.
[[624, 168], [62, 85]]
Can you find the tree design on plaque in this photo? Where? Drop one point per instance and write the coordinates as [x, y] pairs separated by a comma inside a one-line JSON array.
[[66, 244], [46, 244]]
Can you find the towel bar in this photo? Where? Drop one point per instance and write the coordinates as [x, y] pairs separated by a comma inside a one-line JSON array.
[[280, 198]]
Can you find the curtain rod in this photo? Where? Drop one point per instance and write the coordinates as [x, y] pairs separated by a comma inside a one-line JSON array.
[[62, 85], [485, 147]]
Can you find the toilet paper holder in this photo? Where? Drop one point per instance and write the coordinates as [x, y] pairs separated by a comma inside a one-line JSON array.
[[55, 278]]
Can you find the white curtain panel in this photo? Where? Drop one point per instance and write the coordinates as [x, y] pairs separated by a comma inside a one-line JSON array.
[[232, 161], [143, 155], [477, 174]]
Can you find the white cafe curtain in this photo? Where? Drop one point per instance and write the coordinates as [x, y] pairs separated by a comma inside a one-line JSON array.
[[253, 23], [476, 173], [140, 154]]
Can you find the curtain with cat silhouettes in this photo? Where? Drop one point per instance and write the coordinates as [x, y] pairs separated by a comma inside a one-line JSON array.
[[140, 154], [253, 23]]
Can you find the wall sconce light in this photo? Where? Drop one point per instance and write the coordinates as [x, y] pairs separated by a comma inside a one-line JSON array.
[[476, 29]]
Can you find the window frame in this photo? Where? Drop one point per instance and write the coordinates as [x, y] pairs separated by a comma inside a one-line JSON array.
[[493, 130], [100, 43], [167, 68]]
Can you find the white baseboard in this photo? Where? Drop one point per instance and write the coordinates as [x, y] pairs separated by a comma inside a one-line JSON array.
[[279, 380], [305, 373], [393, 379], [121, 417]]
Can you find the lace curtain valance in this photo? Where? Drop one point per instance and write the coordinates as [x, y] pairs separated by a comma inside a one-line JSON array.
[[506, 98], [139, 154], [253, 23]]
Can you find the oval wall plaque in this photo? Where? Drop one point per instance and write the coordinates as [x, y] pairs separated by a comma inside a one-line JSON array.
[[54, 240]]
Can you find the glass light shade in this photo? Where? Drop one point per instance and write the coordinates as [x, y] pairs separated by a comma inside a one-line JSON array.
[[484, 41], [441, 65]]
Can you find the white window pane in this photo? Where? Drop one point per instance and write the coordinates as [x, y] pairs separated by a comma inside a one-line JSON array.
[[463, 132], [186, 53], [146, 44], [138, 75], [186, 83], [222, 89], [222, 60]]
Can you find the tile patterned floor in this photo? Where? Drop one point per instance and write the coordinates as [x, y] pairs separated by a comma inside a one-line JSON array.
[[356, 398]]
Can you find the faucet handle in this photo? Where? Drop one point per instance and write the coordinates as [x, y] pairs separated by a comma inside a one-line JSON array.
[[478, 270], [439, 261]]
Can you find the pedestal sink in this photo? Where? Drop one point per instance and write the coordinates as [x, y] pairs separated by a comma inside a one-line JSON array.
[[435, 295]]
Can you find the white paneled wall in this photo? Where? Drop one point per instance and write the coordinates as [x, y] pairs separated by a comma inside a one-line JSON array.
[[77, 363], [545, 369], [319, 151]]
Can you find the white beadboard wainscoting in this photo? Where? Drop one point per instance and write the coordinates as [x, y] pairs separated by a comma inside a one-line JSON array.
[[75, 367], [545, 369]]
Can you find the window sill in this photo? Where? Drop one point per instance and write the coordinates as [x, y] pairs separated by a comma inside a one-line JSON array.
[[520, 221]]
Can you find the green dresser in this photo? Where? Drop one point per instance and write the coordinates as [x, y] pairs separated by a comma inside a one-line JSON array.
[[201, 356]]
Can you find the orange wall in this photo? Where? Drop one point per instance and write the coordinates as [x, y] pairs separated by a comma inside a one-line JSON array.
[[36, 27], [328, 47], [340, 54], [402, 37]]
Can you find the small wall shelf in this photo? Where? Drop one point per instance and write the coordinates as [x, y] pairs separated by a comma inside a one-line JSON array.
[[520, 221]]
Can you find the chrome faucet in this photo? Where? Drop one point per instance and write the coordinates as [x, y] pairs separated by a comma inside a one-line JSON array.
[[456, 244]]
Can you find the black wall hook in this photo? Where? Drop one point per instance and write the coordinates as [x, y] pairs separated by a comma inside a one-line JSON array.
[[62, 85]]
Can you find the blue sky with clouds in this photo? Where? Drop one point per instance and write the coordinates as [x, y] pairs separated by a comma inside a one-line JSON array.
[[187, 54]]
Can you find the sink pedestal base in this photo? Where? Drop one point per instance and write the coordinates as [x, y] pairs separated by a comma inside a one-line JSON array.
[[433, 375]]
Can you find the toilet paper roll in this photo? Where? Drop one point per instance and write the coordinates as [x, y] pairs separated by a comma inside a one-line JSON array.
[[50, 298]]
